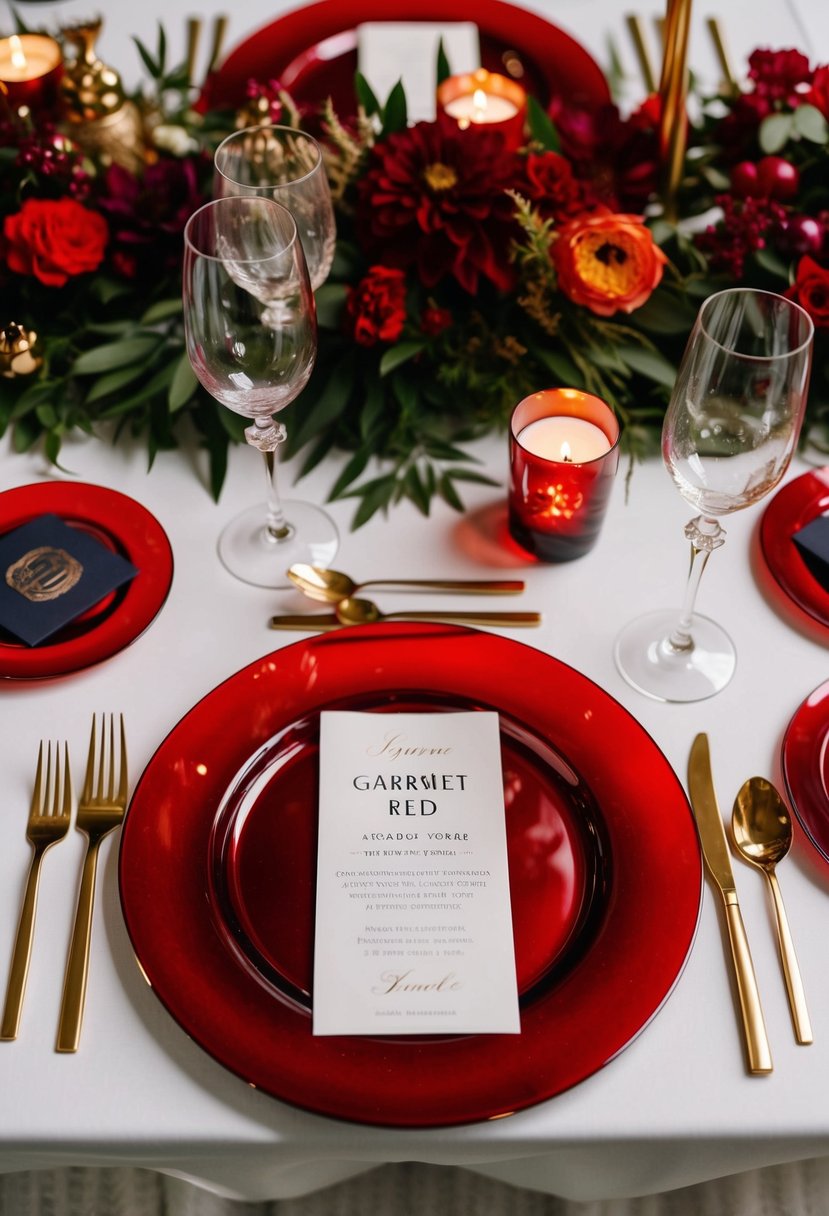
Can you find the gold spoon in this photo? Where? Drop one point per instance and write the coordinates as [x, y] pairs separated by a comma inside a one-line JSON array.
[[762, 831], [355, 611], [331, 586]]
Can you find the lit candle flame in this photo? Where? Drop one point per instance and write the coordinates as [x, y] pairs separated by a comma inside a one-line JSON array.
[[18, 54], [565, 452], [479, 101]]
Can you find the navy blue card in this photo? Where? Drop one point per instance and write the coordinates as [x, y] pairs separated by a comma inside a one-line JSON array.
[[813, 543], [50, 574]]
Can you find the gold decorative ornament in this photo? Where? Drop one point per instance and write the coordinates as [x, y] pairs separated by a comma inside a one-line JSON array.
[[17, 351], [104, 122], [673, 91]]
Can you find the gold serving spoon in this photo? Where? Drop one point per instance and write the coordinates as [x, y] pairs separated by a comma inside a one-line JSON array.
[[762, 831], [355, 611], [332, 586]]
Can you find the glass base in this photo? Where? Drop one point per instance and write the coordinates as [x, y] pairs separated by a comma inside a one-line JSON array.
[[251, 554], [649, 663]]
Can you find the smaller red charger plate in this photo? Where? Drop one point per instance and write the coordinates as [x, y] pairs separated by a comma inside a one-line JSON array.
[[218, 860], [794, 506], [312, 51], [805, 761], [125, 527]]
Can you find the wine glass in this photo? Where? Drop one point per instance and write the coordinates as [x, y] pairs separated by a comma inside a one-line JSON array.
[[729, 433], [287, 166], [251, 334]]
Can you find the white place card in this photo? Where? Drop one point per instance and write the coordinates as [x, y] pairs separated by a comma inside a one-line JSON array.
[[388, 51], [413, 923]]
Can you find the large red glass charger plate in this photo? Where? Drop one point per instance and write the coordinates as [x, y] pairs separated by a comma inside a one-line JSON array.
[[218, 857], [794, 506], [123, 526], [805, 761], [312, 51]]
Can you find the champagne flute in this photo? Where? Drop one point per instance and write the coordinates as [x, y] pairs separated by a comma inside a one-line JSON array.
[[287, 166], [251, 335], [729, 433]]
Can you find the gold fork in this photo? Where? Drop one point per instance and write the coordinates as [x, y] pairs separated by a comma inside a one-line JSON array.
[[101, 808], [48, 823]]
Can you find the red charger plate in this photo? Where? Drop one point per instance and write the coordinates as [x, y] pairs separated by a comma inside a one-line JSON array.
[[313, 52], [217, 874], [796, 504], [805, 760], [125, 527]]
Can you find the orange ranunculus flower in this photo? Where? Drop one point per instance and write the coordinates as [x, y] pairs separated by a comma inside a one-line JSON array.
[[607, 263]]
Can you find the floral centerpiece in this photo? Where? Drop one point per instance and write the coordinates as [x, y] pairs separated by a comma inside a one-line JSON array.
[[467, 273]]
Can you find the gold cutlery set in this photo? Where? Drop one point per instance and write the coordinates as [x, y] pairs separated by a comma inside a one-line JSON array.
[[335, 588], [762, 833], [101, 808]]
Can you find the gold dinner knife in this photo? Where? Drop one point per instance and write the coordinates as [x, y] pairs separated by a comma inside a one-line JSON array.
[[715, 851]]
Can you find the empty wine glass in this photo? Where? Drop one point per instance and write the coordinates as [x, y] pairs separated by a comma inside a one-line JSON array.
[[729, 433], [287, 166], [251, 334]]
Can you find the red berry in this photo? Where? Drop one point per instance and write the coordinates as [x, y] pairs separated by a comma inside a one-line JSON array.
[[802, 234], [744, 180], [777, 178]]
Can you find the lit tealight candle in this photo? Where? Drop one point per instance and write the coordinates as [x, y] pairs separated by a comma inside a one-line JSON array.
[[483, 98], [564, 452], [30, 69], [569, 440], [480, 107]]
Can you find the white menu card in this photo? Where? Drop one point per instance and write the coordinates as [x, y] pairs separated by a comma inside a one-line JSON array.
[[413, 922], [388, 51]]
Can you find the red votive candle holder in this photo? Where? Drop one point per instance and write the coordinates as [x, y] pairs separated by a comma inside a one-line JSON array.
[[484, 99], [31, 66], [564, 453]]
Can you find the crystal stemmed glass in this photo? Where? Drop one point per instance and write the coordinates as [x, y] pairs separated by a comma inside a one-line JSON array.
[[287, 166], [729, 433], [251, 334]]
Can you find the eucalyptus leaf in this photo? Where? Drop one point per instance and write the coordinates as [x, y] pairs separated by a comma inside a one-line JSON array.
[[810, 123], [402, 353], [649, 363], [542, 127], [183, 384], [775, 132], [114, 354], [162, 310]]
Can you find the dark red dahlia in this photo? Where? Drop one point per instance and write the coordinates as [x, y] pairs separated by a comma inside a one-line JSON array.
[[147, 214], [551, 187], [435, 199]]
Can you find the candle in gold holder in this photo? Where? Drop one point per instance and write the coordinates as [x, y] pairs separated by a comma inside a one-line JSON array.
[[104, 122], [30, 69], [483, 98]]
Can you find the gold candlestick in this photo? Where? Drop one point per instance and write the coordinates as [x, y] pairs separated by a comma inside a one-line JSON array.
[[673, 92]]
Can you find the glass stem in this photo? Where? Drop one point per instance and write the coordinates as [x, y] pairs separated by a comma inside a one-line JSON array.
[[267, 435], [705, 536]]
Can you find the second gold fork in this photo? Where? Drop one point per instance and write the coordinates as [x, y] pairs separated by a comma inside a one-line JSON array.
[[101, 808], [49, 816]]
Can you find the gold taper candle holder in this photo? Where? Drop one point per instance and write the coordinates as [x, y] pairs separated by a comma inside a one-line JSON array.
[[673, 91]]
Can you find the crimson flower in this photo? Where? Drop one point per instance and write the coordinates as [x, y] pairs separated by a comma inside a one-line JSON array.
[[551, 187], [147, 214], [434, 198], [377, 306], [811, 291], [776, 75], [54, 239], [818, 95]]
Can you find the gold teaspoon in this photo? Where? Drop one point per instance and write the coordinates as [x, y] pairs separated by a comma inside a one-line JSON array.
[[762, 831], [331, 586]]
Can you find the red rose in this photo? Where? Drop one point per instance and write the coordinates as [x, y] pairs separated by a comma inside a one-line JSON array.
[[607, 263], [54, 240], [811, 291], [777, 74], [550, 185], [377, 306]]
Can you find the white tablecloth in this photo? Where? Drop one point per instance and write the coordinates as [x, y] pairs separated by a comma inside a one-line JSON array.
[[677, 1106]]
